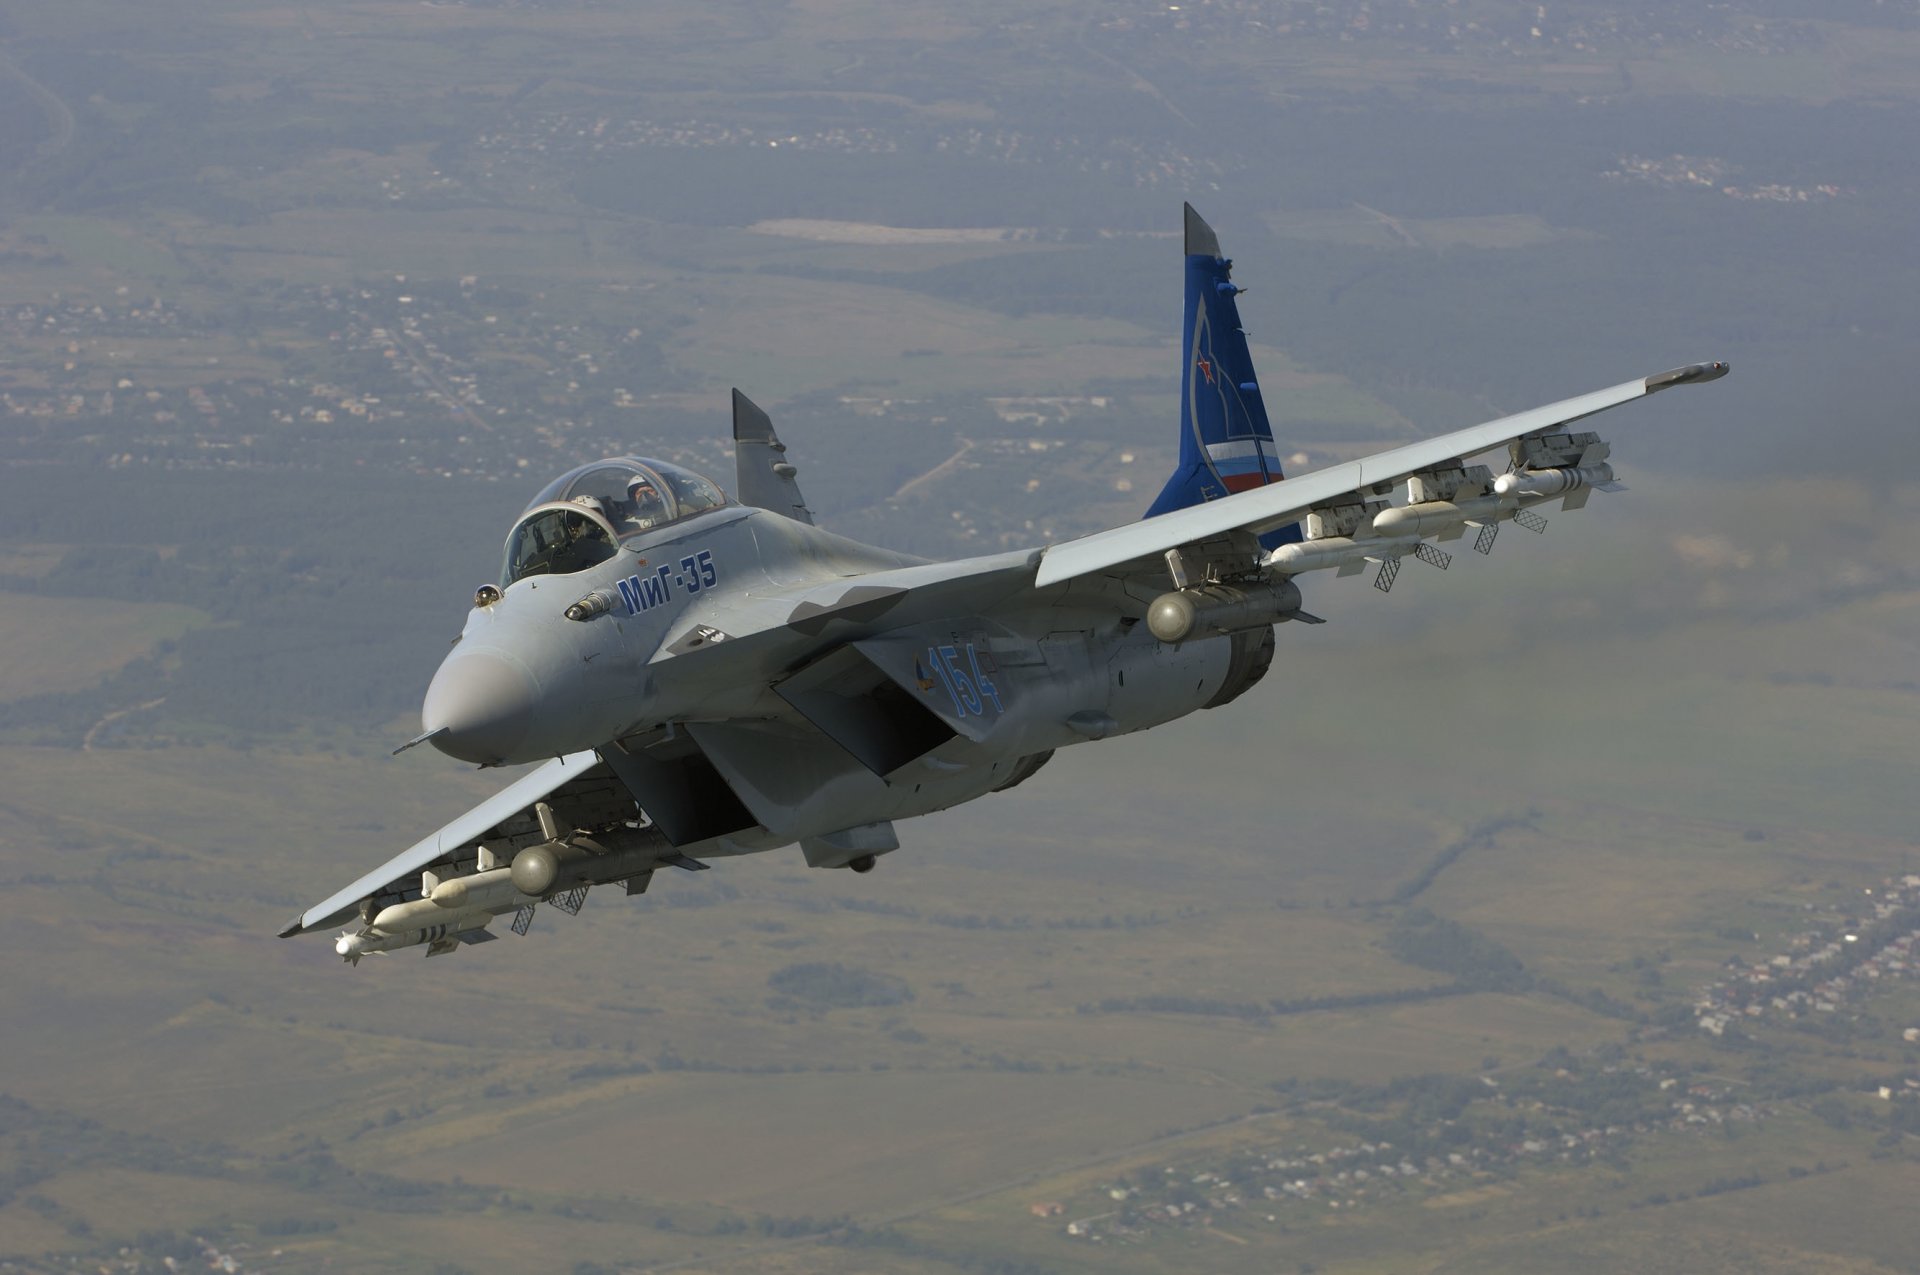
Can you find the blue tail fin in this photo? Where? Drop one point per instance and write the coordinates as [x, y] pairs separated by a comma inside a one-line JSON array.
[[1226, 444]]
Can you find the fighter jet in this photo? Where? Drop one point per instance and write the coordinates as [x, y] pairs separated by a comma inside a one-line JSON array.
[[706, 676]]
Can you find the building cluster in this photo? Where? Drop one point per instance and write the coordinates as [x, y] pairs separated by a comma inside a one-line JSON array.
[[442, 380], [584, 135], [1546, 1117], [1704, 172], [1825, 968], [1453, 27], [187, 1256], [75, 317]]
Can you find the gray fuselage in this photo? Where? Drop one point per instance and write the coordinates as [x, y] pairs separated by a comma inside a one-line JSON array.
[[774, 653]]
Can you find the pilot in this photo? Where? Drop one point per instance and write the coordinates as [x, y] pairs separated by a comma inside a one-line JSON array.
[[645, 507], [584, 543]]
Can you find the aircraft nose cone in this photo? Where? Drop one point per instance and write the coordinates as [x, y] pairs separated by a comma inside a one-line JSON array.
[[483, 704]]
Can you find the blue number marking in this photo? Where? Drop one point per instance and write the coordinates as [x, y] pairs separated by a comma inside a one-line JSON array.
[[970, 692], [981, 680], [643, 593], [969, 696], [940, 670]]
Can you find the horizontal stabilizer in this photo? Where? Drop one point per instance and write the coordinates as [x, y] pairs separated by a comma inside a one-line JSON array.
[[864, 710], [787, 772], [684, 796]]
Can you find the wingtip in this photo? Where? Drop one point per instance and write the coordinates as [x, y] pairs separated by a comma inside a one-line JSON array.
[[1691, 374], [1201, 241], [292, 928]]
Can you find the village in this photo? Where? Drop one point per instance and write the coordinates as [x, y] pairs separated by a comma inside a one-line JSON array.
[[1704, 172], [578, 136], [1452, 1133], [1509, 31], [435, 379], [1826, 968], [1562, 1112]]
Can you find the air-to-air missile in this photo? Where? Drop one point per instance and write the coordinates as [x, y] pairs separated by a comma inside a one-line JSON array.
[[1547, 483], [1339, 551], [355, 946]]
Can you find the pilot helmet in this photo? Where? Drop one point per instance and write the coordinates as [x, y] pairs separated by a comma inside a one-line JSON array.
[[644, 495]]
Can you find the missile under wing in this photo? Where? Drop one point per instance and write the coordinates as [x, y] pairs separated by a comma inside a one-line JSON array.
[[704, 677]]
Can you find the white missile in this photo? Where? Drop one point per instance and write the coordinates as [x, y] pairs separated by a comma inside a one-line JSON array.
[[402, 918], [1432, 517], [491, 889], [1552, 482], [367, 942], [419, 914], [1337, 551]]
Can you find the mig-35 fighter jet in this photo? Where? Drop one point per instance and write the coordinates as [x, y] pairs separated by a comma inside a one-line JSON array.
[[707, 677]]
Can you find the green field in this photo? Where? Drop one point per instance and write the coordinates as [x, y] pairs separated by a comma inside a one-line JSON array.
[[69, 644], [590, 1065]]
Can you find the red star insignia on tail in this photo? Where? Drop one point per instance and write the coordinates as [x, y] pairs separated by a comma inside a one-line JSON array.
[[1206, 367]]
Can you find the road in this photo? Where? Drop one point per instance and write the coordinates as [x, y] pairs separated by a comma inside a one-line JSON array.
[[58, 116]]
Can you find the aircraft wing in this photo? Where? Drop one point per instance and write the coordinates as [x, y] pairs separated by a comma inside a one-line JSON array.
[[505, 815], [1282, 503]]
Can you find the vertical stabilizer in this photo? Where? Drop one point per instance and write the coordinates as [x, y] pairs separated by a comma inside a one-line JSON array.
[[1226, 444], [766, 479]]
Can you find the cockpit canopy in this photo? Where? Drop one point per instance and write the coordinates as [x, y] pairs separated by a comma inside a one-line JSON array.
[[579, 519]]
